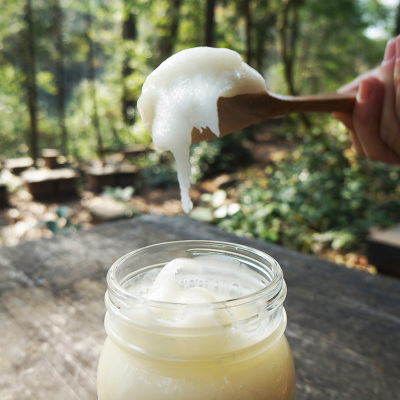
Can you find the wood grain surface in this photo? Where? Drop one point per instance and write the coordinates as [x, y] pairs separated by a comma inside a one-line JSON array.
[[344, 325]]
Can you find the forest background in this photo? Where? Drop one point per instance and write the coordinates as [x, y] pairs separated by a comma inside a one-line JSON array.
[[71, 73]]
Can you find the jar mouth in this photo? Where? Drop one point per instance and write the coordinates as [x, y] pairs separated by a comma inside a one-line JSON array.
[[273, 290]]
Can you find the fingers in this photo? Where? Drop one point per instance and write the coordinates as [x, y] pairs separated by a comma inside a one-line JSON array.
[[347, 120], [390, 123], [396, 78], [357, 144], [367, 123], [375, 122], [352, 87]]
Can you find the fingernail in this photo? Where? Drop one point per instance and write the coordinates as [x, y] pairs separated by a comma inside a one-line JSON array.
[[390, 51], [364, 91]]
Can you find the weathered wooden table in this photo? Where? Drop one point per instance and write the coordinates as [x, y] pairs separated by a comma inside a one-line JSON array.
[[344, 325]]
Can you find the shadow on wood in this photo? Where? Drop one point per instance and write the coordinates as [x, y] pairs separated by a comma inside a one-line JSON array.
[[3, 196], [383, 250]]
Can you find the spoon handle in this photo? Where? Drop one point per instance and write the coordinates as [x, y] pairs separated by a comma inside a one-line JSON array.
[[314, 103]]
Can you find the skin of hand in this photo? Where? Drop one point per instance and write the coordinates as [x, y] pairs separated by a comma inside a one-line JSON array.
[[374, 124]]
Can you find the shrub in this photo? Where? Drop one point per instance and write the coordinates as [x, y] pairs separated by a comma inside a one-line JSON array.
[[214, 157], [320, 196]]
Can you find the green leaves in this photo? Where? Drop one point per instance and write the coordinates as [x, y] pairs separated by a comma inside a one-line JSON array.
[[119, 193], [45, 80]]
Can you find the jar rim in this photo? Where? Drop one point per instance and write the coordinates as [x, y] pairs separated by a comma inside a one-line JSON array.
[[275, 290]]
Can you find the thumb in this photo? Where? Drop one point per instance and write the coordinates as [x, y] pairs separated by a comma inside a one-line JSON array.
[[346, 119]]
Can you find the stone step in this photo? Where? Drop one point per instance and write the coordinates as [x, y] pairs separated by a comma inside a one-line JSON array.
[[383, 250], [106, 209]]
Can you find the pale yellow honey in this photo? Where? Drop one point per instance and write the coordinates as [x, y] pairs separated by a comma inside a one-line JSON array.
[[264, 371]]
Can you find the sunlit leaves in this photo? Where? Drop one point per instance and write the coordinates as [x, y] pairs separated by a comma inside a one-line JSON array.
[[45, 81]]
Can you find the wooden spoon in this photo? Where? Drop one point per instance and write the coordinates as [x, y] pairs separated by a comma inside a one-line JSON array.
[[241, 111]]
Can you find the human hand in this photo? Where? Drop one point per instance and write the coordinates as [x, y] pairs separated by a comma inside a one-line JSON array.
[[375, 122]]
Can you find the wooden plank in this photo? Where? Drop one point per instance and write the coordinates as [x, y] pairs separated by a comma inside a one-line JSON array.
[[48, 335], [344, 325], [60, 336], [24, 373]]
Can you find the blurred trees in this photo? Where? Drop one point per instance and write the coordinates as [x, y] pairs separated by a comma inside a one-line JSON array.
[[58, 19], [30, 79], [92, 76], [210, 22], [71, 72], [129, 36]]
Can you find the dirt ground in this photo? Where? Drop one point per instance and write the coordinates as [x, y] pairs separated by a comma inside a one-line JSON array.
[[26, 218]]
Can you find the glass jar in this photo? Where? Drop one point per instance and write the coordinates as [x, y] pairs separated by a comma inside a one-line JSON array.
[[226, 350]]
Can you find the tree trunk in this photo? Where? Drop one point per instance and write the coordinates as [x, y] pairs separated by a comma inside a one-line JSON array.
[[92, 76], [248, 23], [60, 75], [167, 42], [31, 84], [264, 31], [209, 37], [288, 43], [129, 33], [288, 31]]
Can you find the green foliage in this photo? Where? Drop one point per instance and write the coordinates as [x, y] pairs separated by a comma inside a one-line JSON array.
[[217, 156], [118, 193], [13, 113], [319, 196], [158, 170], [192, 16], [80, 120]]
